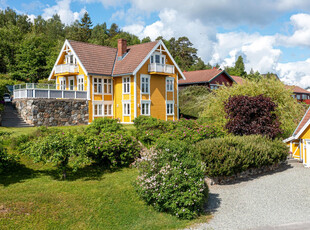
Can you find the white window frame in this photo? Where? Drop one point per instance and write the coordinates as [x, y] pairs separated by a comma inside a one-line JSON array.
[[97, 81], [126, 85], [125, 110], [214, 86], [169, 87], [80, 83], [298, 96], [62, 83], [69, 80], [161, 56], [106, 83], [145, 76], [169, 107], [143, 103], [101, 109]]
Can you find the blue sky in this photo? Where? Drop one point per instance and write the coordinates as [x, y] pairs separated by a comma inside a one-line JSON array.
[[271, 35]]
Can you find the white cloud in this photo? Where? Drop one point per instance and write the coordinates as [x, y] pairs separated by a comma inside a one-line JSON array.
[[31, 17], [62, 8]]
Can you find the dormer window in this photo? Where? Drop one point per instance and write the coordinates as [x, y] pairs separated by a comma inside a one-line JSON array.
[[158, 58], [69, 59]]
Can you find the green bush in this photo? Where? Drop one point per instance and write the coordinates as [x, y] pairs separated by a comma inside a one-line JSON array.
[[112, 149], [234, 154], [104, 125], [5, 159], [172, 179]]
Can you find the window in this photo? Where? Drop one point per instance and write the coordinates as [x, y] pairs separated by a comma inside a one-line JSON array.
[[158, 58], [126, 84], [298, 96], [62, 82], [145, 84], [126, 109], [108, 110], [80, 84], [170, 110], [304, 96], [97, 85], [212, 87], [98, 110], [169, 84], [145, 108], [107, 86], [71, 84]]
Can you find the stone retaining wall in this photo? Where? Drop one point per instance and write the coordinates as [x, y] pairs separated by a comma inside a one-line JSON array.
[[53, 112]]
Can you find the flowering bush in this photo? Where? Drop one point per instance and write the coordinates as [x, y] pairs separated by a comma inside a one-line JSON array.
[[104, 125], [234, 154], [112, 149], [171, 178]]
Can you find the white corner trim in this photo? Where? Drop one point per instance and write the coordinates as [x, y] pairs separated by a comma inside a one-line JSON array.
[[135, 95], [59, 55]]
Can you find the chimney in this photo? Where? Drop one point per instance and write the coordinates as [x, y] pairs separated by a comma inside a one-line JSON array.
[[121, 47], [214, 67]]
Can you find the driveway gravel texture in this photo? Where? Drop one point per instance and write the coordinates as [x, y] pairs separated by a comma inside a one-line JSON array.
[[277, 200]]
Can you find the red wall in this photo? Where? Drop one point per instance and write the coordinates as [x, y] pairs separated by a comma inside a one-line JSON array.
[[222, 79]]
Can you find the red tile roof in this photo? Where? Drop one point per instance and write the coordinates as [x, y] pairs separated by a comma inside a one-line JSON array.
[[297, 89], [95, 58], [199, 76], [302, 122], [133, 58], [238, 80], [102, 60]]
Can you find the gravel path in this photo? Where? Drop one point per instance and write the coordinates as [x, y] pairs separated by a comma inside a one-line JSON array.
[[271, 200]]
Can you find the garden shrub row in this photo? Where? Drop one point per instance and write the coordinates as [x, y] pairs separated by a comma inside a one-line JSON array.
[[172, 179], [6, 159], [234, 154], [149, 130]]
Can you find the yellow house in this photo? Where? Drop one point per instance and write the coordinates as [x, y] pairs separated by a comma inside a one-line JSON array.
[[123, 82], [299, 142]]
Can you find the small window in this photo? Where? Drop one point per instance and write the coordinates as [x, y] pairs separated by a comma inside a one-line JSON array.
[[126, 84], [80, 84], [152, 59], [98, 110], [126, 109], [298, 96], [71, 84], [107, 110], [97, 85], [107, 86], [169, 84], [145, 108], [170, 110], [304, 96], [157, 58], [62, 83], [145, 84]]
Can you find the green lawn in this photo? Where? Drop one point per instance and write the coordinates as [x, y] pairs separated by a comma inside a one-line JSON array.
[[32, 197]]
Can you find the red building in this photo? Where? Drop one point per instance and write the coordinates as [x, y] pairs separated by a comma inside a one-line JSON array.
[[300, 94]]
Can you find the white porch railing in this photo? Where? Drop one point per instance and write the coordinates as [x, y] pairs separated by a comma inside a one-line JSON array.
[[66, 68], [38, 90], [161, 68]]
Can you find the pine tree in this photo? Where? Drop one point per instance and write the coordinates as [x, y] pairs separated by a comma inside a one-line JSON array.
[[85, 28]]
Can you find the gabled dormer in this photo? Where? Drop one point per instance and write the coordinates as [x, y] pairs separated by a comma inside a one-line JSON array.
[[67, 63], [160, 63]]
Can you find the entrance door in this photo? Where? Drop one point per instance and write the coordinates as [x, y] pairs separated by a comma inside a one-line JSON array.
[[71, 84], [306, 158]]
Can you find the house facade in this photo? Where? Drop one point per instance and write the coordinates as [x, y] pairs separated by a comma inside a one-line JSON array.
[[210, 78], [300, 94], [121, 83], [299, 142]]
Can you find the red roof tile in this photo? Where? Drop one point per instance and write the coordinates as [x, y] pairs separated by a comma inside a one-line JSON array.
[[199, 76], [95, 58], [297, 89], [302, 122], [238, 80], [133, 58]]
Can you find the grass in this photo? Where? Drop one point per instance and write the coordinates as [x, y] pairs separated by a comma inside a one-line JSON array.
[[32, 197]]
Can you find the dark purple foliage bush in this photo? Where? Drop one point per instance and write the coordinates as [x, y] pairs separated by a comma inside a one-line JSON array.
[[252, 115]]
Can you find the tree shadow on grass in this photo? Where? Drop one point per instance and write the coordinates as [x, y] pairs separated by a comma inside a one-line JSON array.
[[16, 173]]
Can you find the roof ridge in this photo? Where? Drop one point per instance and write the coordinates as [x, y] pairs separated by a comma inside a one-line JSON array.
[[142, 44], [91, 44], [200, 70]]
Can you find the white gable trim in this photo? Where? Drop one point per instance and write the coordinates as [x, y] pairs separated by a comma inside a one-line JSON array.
[[301, 120], [60, 54], [302, 130], [160, 42]]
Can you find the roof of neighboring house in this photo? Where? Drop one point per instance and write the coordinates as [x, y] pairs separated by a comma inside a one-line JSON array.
[[238, 80], [96, 59], [135, 55], [197, 76], [297, 89]]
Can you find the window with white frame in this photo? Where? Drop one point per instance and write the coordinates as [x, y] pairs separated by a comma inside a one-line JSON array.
[[212, 87], [170, 108], [158, 58], [108, 110], [62, 83], [126, 84], [145, 84], [298, 96], [98, 109], [126, 108], [102, 109], [71, 83], [145, 107], [304, 96], [107, 86], [80, 83], [169, 84], [97, 85]]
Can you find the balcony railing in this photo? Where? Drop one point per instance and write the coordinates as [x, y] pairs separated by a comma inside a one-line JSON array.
[[66, 68], [161, 68], [37, 90]]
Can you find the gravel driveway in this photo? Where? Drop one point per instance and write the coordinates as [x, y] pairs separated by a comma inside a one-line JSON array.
[[280, 198]]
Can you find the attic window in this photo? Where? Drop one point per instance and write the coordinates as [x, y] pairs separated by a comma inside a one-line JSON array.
[[70, 59], [158, 58]]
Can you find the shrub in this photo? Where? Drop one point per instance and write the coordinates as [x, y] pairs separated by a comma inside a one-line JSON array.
[[288, 110], [61, 149], [252, 115], [233, 154], [112, 149], [5, 159], [104, 125], [172, 179]]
